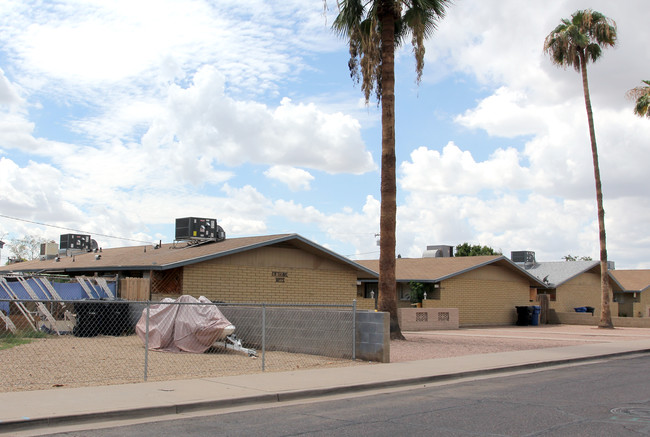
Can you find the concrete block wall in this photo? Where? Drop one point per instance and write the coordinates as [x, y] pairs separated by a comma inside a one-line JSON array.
[[427, 319], [317, 331], [573, 318], [373, 336]]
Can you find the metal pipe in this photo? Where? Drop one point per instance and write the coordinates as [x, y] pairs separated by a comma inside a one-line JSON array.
[[263, 336], [354, 329], [146, 343]]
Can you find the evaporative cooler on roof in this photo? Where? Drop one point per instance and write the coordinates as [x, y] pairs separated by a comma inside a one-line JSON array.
[[75, 242], [523, 256], [195, 228]]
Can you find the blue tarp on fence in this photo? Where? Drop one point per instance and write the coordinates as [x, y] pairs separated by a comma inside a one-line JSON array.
[[67, 291]]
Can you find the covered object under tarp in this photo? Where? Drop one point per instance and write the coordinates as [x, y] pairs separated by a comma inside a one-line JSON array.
[[183, 325]]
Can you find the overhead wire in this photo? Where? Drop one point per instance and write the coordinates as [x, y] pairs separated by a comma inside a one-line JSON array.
[[73, 230]]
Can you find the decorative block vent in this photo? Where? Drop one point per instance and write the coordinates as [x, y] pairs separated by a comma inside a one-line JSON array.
[[422, 317], [443, 317]]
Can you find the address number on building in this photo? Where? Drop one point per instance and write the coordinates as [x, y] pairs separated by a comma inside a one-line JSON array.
[[280, 276]]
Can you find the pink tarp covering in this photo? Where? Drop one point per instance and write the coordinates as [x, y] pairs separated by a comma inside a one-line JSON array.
[[183, 328]]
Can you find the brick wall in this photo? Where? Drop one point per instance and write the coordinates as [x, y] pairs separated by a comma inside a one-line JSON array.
[[583, 290], [270, 275], [487, 301]]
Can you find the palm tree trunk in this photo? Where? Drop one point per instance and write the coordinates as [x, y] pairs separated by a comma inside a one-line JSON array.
[[388, 214], [605, 313]]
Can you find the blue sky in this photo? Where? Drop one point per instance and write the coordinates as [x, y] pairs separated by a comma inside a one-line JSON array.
[[118, 117]]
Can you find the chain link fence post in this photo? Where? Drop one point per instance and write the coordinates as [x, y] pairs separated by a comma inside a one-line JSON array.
[[354, 329], [263, 335], [146, 343]]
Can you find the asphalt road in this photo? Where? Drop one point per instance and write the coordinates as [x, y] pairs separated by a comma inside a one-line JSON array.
[[608, 398]]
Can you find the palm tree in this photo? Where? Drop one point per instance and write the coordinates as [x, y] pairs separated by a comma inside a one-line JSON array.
[[575, 43], [641, 95], [374, 29]]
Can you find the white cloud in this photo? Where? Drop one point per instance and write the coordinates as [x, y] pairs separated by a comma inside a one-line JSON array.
[[86, 46], [202, 120], [9, 96], [456, 172], [506, 113], [295, 178], [162, 102]]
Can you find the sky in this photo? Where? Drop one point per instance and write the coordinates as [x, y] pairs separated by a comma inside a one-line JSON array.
[[118, 117]]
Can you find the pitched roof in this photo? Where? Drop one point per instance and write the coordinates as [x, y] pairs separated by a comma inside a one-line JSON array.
[[556, 273], [170, 256], [631, 280], [438, 269]]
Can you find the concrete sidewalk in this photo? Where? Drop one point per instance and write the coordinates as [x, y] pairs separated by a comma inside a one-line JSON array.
[[68, 406]]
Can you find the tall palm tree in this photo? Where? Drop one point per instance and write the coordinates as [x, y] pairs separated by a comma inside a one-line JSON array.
[[374, 29], [641, 95], [575, 43]]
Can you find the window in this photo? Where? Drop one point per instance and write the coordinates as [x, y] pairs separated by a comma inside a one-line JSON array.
[[550, 292], [371, 290], [433, 293], [403, 291]]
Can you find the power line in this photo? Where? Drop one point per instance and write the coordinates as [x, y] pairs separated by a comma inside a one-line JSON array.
[[73, 230]]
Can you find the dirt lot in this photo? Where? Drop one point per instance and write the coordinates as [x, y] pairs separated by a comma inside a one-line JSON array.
[[469, 341], [69, 361]]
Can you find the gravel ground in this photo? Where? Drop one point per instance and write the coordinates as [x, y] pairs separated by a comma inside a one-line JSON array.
[[69, 361], [442, 344]]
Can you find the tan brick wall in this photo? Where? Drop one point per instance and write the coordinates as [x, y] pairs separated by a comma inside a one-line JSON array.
[[583, 290], [642, 307], [483, 301], [365, 304], [272, 276]]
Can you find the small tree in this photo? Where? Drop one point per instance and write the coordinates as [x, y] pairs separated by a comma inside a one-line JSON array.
[[417, 291], [26, 248], [466, 249], [570, 257]]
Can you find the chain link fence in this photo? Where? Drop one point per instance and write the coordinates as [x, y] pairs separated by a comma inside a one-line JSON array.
[[52, 343]]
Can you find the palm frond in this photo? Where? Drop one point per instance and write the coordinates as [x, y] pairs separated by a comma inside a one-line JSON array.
[[580, 39], [641, 95]]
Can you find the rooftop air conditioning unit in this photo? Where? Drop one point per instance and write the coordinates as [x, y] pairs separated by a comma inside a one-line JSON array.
[[523, 256], [440, 251], [49, 251], [195, 228], [75, 242]]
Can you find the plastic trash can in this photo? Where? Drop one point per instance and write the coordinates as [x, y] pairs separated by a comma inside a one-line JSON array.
[[580, 309], [534, 317], [90, 318], [116, 317], [590, 310], [523, 315]]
